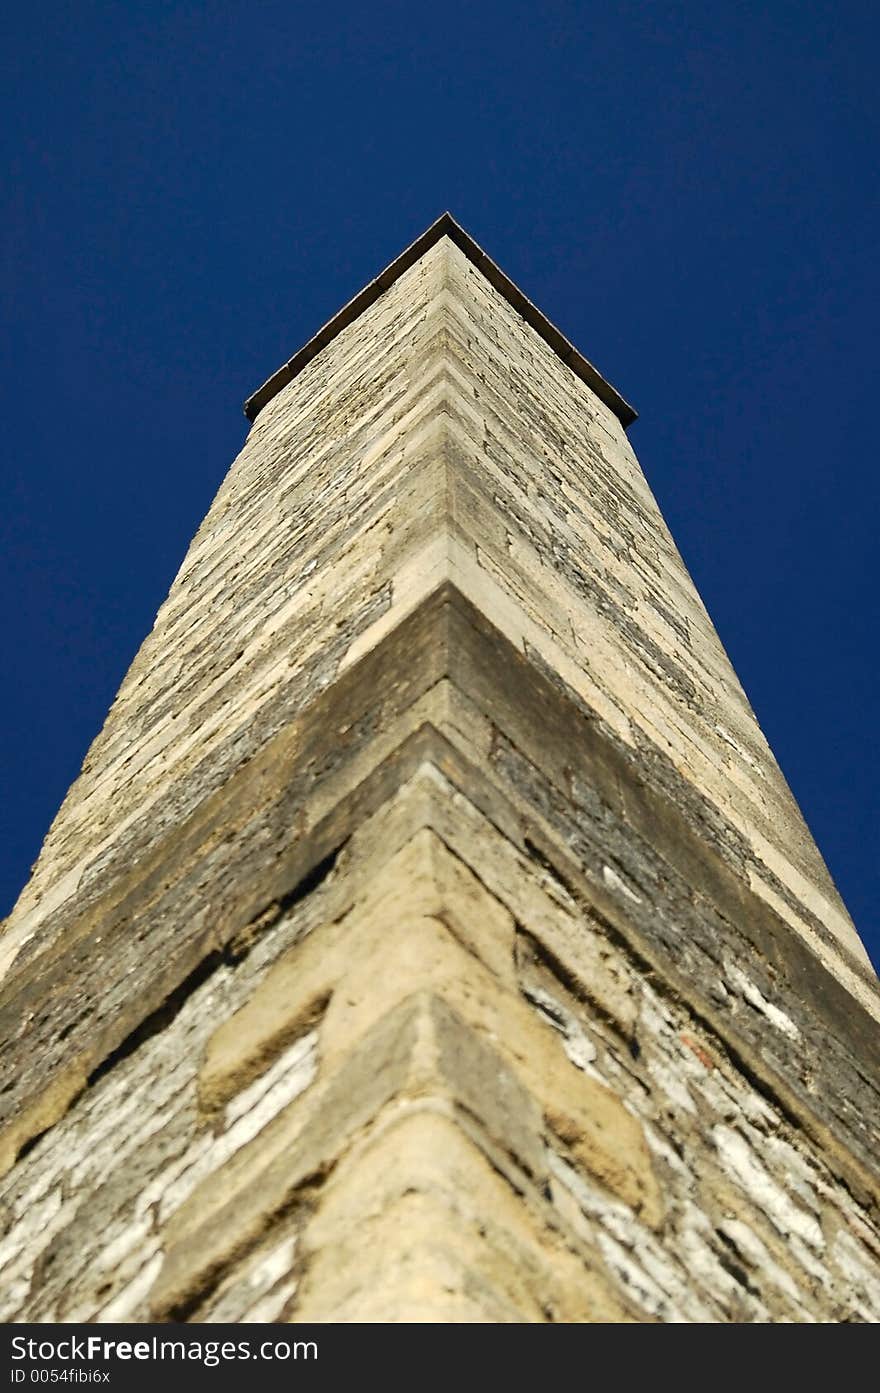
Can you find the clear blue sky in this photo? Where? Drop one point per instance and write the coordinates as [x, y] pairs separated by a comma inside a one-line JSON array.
[[689, 190]]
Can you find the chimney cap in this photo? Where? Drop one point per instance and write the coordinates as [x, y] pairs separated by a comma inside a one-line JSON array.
[[444, 226]]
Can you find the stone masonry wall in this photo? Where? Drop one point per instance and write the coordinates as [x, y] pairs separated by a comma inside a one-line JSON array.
[[438, 437], [560, 1139], [430, 934]]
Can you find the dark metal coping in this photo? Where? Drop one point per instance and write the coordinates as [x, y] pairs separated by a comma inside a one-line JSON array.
[[445, 226]]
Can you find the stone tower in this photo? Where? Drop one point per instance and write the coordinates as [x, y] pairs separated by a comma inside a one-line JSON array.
[[430, 934]]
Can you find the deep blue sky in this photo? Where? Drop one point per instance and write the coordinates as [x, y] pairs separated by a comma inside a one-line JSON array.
[[689, 190]]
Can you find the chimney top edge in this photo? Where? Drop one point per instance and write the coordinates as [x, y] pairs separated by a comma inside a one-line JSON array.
[[444, 226]]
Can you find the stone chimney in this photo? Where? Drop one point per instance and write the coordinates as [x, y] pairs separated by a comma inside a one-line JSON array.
[[430, 934]]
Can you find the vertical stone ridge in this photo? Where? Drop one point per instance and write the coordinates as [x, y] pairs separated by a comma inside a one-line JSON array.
[[441, 1038]]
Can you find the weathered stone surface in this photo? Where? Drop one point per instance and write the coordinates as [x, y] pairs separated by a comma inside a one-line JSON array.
[[425, 895], [430, 934], [417, 1225], [138, 1146], [405, 937], [366, 482]]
